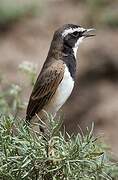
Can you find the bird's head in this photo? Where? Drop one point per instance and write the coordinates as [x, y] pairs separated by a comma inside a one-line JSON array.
[[72, 35]]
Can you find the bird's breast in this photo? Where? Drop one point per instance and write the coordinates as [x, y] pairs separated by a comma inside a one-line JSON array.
[[62, 93]]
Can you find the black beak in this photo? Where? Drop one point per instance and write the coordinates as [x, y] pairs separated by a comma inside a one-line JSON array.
[[88, 33]]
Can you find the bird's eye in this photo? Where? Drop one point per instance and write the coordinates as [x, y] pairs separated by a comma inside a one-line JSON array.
[[76, 33]]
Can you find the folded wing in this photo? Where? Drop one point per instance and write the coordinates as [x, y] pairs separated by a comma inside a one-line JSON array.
[[44, 88]]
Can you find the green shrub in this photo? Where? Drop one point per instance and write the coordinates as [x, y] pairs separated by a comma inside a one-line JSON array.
[[11, 97], [27, 156]]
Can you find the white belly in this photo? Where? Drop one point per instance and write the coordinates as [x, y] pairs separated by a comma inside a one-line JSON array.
[[63, 92]]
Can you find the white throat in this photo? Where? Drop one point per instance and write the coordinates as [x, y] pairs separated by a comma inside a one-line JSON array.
[[75, 48]]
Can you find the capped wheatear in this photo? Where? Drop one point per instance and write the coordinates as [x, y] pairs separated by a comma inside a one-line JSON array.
[[56, 79]]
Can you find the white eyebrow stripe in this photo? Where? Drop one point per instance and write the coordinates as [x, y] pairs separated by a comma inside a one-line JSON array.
[[71, 30]]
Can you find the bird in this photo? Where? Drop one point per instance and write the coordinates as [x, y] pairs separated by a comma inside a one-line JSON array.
[[56, 80]]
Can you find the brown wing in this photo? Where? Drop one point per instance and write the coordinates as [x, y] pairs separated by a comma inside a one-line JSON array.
[[44, 88]]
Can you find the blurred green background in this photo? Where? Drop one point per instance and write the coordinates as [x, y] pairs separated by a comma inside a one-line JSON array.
[[26, 30]]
